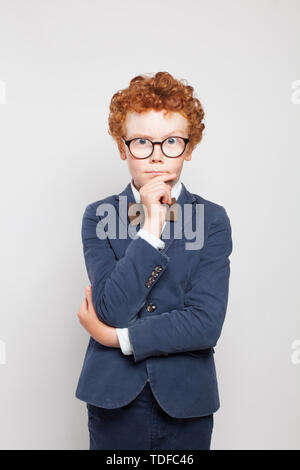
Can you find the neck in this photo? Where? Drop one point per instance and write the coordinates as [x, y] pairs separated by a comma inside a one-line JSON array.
[[135, 185]]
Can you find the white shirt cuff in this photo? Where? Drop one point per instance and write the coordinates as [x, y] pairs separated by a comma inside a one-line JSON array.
[[152, 239], [124, 341]]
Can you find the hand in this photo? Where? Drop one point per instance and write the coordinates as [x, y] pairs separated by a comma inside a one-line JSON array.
[[100, 331], [154, 194]]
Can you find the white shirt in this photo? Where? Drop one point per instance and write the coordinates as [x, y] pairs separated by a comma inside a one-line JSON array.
[[157, 243]]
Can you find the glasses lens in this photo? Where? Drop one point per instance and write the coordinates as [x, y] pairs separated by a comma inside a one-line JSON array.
[[141, 148], [173, 146]]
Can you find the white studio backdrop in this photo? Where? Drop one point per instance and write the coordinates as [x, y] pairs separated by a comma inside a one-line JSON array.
[[60, 63]]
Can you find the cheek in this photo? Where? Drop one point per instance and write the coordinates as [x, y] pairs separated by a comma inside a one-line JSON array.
[[176, 166], [136, 167]]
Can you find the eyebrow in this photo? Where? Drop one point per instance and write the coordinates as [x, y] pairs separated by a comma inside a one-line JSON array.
[[150, 137]]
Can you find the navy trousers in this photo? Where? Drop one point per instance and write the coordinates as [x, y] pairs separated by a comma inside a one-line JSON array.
[[143, 425]]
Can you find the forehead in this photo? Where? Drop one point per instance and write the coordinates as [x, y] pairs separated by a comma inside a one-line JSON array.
[[155, 123]]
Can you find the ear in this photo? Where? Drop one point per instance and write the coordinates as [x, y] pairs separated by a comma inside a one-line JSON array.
[[122, 152], [188, 156]]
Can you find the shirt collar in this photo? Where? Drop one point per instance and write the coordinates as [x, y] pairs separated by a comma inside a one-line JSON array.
[[175, 191]]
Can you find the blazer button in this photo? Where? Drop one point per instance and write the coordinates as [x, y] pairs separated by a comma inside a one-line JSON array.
[[158, 268], [151, 307]]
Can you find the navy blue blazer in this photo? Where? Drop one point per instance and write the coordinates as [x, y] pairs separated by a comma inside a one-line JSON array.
[[174, 344]]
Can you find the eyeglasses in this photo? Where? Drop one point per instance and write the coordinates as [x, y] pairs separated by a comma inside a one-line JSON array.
[[171, 147]]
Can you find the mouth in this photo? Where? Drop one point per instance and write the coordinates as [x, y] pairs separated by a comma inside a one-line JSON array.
[[156, 172]]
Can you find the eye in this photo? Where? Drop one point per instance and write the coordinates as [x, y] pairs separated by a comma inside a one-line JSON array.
[[142, 141], [171, 140]]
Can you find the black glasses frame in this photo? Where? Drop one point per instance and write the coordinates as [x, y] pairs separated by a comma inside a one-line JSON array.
[[127, 142]]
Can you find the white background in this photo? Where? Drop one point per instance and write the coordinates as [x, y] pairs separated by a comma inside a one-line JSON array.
[[60, 63]]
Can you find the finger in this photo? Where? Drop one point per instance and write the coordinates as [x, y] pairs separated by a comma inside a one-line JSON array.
[[164, 177], [88, 293], [83, 306], [163, 188], [166, 195]]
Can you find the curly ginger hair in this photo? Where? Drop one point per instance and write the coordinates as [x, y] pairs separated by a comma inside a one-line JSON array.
[[159, 92]]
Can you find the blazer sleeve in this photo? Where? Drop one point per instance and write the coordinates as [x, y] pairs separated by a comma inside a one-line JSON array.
[[199, 324], [119, 287]]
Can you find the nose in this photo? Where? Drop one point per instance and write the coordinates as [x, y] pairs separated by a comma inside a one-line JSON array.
[[157, 154]]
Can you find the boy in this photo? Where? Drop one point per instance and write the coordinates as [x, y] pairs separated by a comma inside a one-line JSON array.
[[158, 299]]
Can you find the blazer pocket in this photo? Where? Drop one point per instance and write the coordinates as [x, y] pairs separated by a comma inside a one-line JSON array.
[[201, 352]]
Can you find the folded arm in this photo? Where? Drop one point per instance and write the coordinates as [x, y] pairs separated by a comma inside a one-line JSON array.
[[118, 286]]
